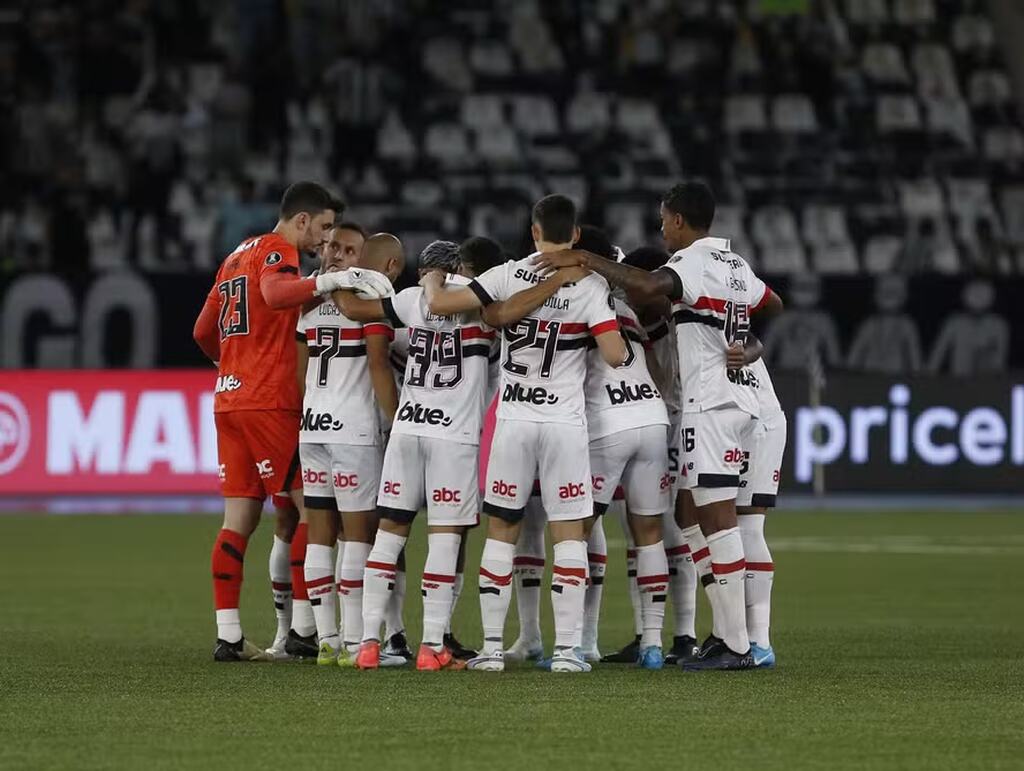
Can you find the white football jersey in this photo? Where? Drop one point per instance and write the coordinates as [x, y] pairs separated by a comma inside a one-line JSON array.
[[544, 355], [445, 381], [399, 355], [756, 377], [339, 406], [714, 295], [625, 397], [661, 336]]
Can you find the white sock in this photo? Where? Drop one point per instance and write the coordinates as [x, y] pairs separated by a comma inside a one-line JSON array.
[[303, 621], [597, 563], [759, 577], [460, 581], [682, 579], [568, 588], [495, 591], [229, 625], [728, 568], [701, 558], [340, 555], [529, 571], [379, 581], [439, 586], [319, 571], [353, 565], [281, 585], [652, 579], [393, 623], [634, 591]]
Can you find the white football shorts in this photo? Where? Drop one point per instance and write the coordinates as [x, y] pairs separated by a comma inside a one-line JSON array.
[[712, 445], [341, 476], [554, 453], [422, 470], [762, 466], [637, 459]]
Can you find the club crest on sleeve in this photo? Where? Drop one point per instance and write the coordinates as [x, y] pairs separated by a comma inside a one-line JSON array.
[[273, 258]]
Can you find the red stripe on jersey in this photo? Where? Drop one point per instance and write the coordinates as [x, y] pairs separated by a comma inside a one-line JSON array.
[[627, 322], [567, 327], [701, 554], [316, 582], [645, 580], [605, 326], [439, 578], [763, 300], [675, 551], [379, 329], [573, 572], [719, 568], [499, 580], [372, 565], [476, 333], [766, 567], [709, 304], [600, 559], [311, 333], [537, 562]]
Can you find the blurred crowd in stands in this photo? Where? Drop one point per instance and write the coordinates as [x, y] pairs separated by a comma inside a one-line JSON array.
[[841, 136]]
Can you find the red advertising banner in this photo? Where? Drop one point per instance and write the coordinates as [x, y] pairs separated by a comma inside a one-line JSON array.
[[107, 431]]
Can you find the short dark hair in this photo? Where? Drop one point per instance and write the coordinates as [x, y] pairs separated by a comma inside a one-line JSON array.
[[595, 241], [646, 258], [481, 254], [340, 224], [311, 198], [694, 201], [556, 216]]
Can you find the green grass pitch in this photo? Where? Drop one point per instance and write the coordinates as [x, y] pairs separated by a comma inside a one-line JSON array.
[[898, 637]]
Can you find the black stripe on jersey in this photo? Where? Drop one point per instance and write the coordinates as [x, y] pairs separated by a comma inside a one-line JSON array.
[[572, 344], [480, 292], [691, 317], [344, 351], [477, 349], [288, 269], [389, 311], [677, 283], [718, 480], [300, 336], [494, 355], [657, 332]]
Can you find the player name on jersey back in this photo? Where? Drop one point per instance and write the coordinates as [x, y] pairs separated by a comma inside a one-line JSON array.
[[544, 355], [445, 378], [624, 397], [714, 295], [339, 406]]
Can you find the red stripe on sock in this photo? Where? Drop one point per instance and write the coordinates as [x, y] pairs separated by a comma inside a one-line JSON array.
[[318, 582], [574, 572], [372, 565], [537, 562], [280, 587], [499, 580], [701, 554], [675, 551], [630, 554], [346, 583], [599, 558], [644, 580], [719, 568], [767, 567], [297, 554], [439, 578]]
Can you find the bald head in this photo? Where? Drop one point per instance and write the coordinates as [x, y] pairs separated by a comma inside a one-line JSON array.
[[383, 253]]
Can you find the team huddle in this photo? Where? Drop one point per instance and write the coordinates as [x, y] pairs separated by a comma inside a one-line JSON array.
[[623, 383]]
